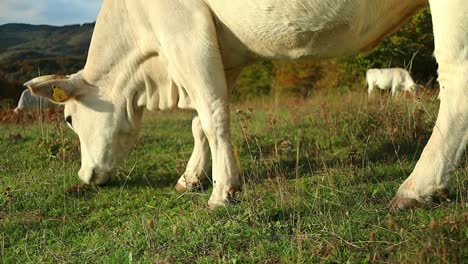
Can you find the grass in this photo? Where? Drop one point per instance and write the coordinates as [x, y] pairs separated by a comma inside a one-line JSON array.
[[318, 176]]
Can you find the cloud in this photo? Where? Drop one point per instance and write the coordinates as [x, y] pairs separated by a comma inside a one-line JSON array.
[[51, 12], [17, 10]]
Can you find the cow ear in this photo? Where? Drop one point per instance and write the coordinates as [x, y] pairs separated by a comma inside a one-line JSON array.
[[57, 88]]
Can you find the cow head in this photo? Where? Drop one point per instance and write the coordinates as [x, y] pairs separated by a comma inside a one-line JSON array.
[[106, 124]]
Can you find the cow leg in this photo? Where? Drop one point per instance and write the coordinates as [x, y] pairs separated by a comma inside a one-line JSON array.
[[370, 87], [190, 43], [450, 135], [394, 89], [197, 165], [215, 120]]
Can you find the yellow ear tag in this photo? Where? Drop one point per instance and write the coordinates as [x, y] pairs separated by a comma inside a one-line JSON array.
[[59, 94]]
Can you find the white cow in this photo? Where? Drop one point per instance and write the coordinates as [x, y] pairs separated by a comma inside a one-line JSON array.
[[393, 79], [28, 101], [188, 53]]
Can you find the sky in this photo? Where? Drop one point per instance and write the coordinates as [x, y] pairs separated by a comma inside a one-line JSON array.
[[49, 12]]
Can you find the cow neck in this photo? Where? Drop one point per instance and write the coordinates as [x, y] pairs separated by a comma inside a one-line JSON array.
[[114, 55]]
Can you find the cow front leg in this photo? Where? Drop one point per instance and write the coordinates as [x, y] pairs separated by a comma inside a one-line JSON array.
[[197, 166], [450, 135], [370, 88], [209, 92], [215, 120], [199, 68], [394, 90]]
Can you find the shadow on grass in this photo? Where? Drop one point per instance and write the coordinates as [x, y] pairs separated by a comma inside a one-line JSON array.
[[140, 179], [393, 151]]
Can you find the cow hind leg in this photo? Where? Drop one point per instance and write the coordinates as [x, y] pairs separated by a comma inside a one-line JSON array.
[[197, 166], [450, 135]]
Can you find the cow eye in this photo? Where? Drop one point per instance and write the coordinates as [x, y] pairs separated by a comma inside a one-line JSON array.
[[69, 120]]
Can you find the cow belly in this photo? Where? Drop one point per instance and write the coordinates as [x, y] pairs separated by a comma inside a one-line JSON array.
[[311, 28]]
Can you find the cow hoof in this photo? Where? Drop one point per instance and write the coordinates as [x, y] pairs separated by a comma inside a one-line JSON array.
[[402, 203], [189, 183], [217, 203], [180, 188], [226, 199], [193, 187]]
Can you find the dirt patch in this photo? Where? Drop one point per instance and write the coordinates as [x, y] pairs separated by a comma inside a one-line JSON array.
[[7, 116], [78, 189]]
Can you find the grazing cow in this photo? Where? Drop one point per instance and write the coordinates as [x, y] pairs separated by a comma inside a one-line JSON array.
[[188, 53], [28, 101], [393, 79]]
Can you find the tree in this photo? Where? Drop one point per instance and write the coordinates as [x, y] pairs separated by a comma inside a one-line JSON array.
[[411, 47]]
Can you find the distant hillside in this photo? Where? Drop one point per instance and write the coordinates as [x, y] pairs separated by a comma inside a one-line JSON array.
[[27, 49]]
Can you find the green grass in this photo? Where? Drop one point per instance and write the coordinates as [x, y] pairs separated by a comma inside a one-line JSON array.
[[318, 177]]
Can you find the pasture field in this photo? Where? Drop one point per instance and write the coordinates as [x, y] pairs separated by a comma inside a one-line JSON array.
[[318, 177]]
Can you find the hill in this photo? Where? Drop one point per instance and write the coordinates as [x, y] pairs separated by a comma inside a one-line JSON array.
[[22, 44], [29, 50]]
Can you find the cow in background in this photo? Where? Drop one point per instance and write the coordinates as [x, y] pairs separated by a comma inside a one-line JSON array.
[[394, 79], [28, 101]]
